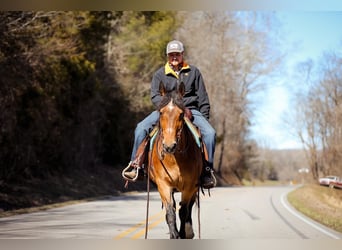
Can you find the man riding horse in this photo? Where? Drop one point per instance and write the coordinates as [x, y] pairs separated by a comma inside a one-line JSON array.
[[197, 105]]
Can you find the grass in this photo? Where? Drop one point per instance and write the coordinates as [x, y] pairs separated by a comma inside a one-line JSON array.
[[320, 203]]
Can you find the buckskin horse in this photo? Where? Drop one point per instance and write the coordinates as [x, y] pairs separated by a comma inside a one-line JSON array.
[[176, 162]]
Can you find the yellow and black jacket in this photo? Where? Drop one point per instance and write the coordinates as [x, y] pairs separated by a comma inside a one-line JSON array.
[[195, 97]]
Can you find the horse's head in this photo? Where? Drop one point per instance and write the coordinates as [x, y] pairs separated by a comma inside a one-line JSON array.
[[171, 117]]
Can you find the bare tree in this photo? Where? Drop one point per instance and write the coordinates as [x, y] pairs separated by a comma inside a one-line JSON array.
[[233, 51], [320, 115]]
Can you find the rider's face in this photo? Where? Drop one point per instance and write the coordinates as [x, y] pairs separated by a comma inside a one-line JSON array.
[[175, 58]]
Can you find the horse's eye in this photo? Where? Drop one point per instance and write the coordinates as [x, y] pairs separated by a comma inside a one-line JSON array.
[[181, 116]]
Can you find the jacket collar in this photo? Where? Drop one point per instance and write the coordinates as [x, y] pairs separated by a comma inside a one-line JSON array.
[[169, 70]]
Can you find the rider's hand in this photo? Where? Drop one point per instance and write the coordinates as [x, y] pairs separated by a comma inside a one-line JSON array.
[[188, 114]]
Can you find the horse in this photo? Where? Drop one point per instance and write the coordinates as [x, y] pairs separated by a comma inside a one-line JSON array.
[[176, 162]]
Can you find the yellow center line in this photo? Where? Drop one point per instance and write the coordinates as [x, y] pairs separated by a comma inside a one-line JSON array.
[[141, 224], [150, 226]]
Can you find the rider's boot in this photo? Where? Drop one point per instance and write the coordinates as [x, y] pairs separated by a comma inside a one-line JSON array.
[[208, 179], [135, 168]]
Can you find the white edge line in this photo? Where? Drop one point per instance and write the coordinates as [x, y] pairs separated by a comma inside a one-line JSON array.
[[306, 220]]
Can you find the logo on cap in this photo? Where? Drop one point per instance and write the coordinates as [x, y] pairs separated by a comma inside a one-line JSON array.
[[174, 46]]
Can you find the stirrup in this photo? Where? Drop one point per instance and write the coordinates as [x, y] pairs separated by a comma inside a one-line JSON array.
[[214, 178], [125, 170]]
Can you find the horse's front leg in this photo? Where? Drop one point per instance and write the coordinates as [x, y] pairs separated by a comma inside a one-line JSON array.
[[171, 221], [170, 207]]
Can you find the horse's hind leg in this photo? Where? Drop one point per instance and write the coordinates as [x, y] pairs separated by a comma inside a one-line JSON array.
[[186, 230]]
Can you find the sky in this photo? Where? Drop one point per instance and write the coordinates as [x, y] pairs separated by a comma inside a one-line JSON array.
[[308, 35]]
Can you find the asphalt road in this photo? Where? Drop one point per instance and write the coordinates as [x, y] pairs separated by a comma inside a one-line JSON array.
[[229, 213]]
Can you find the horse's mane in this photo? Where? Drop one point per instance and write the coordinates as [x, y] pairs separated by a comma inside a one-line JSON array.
[[172, 95]]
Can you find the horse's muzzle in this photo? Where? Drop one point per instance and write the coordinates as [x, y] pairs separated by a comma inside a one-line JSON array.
[[170, 149]]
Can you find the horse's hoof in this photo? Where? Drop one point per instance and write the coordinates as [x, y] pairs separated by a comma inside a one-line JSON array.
[[189, 232]]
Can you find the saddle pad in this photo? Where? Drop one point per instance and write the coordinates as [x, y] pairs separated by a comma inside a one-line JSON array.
[[153, 136], [194, 131]]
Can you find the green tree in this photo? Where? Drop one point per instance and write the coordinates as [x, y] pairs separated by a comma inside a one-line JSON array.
[[138, 49]]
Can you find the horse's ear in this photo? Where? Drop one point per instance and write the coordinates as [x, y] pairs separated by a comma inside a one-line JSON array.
[[162, 89], [181, 89]]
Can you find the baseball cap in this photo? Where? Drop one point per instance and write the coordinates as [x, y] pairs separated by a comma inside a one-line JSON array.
[[174, 46]]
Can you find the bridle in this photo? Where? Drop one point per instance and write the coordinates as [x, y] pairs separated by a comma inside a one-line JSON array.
[[161, 149]]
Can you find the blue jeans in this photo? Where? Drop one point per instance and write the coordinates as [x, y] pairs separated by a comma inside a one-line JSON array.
[[208, 132]]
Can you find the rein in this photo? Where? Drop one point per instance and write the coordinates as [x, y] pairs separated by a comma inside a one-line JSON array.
[[148, 194]]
